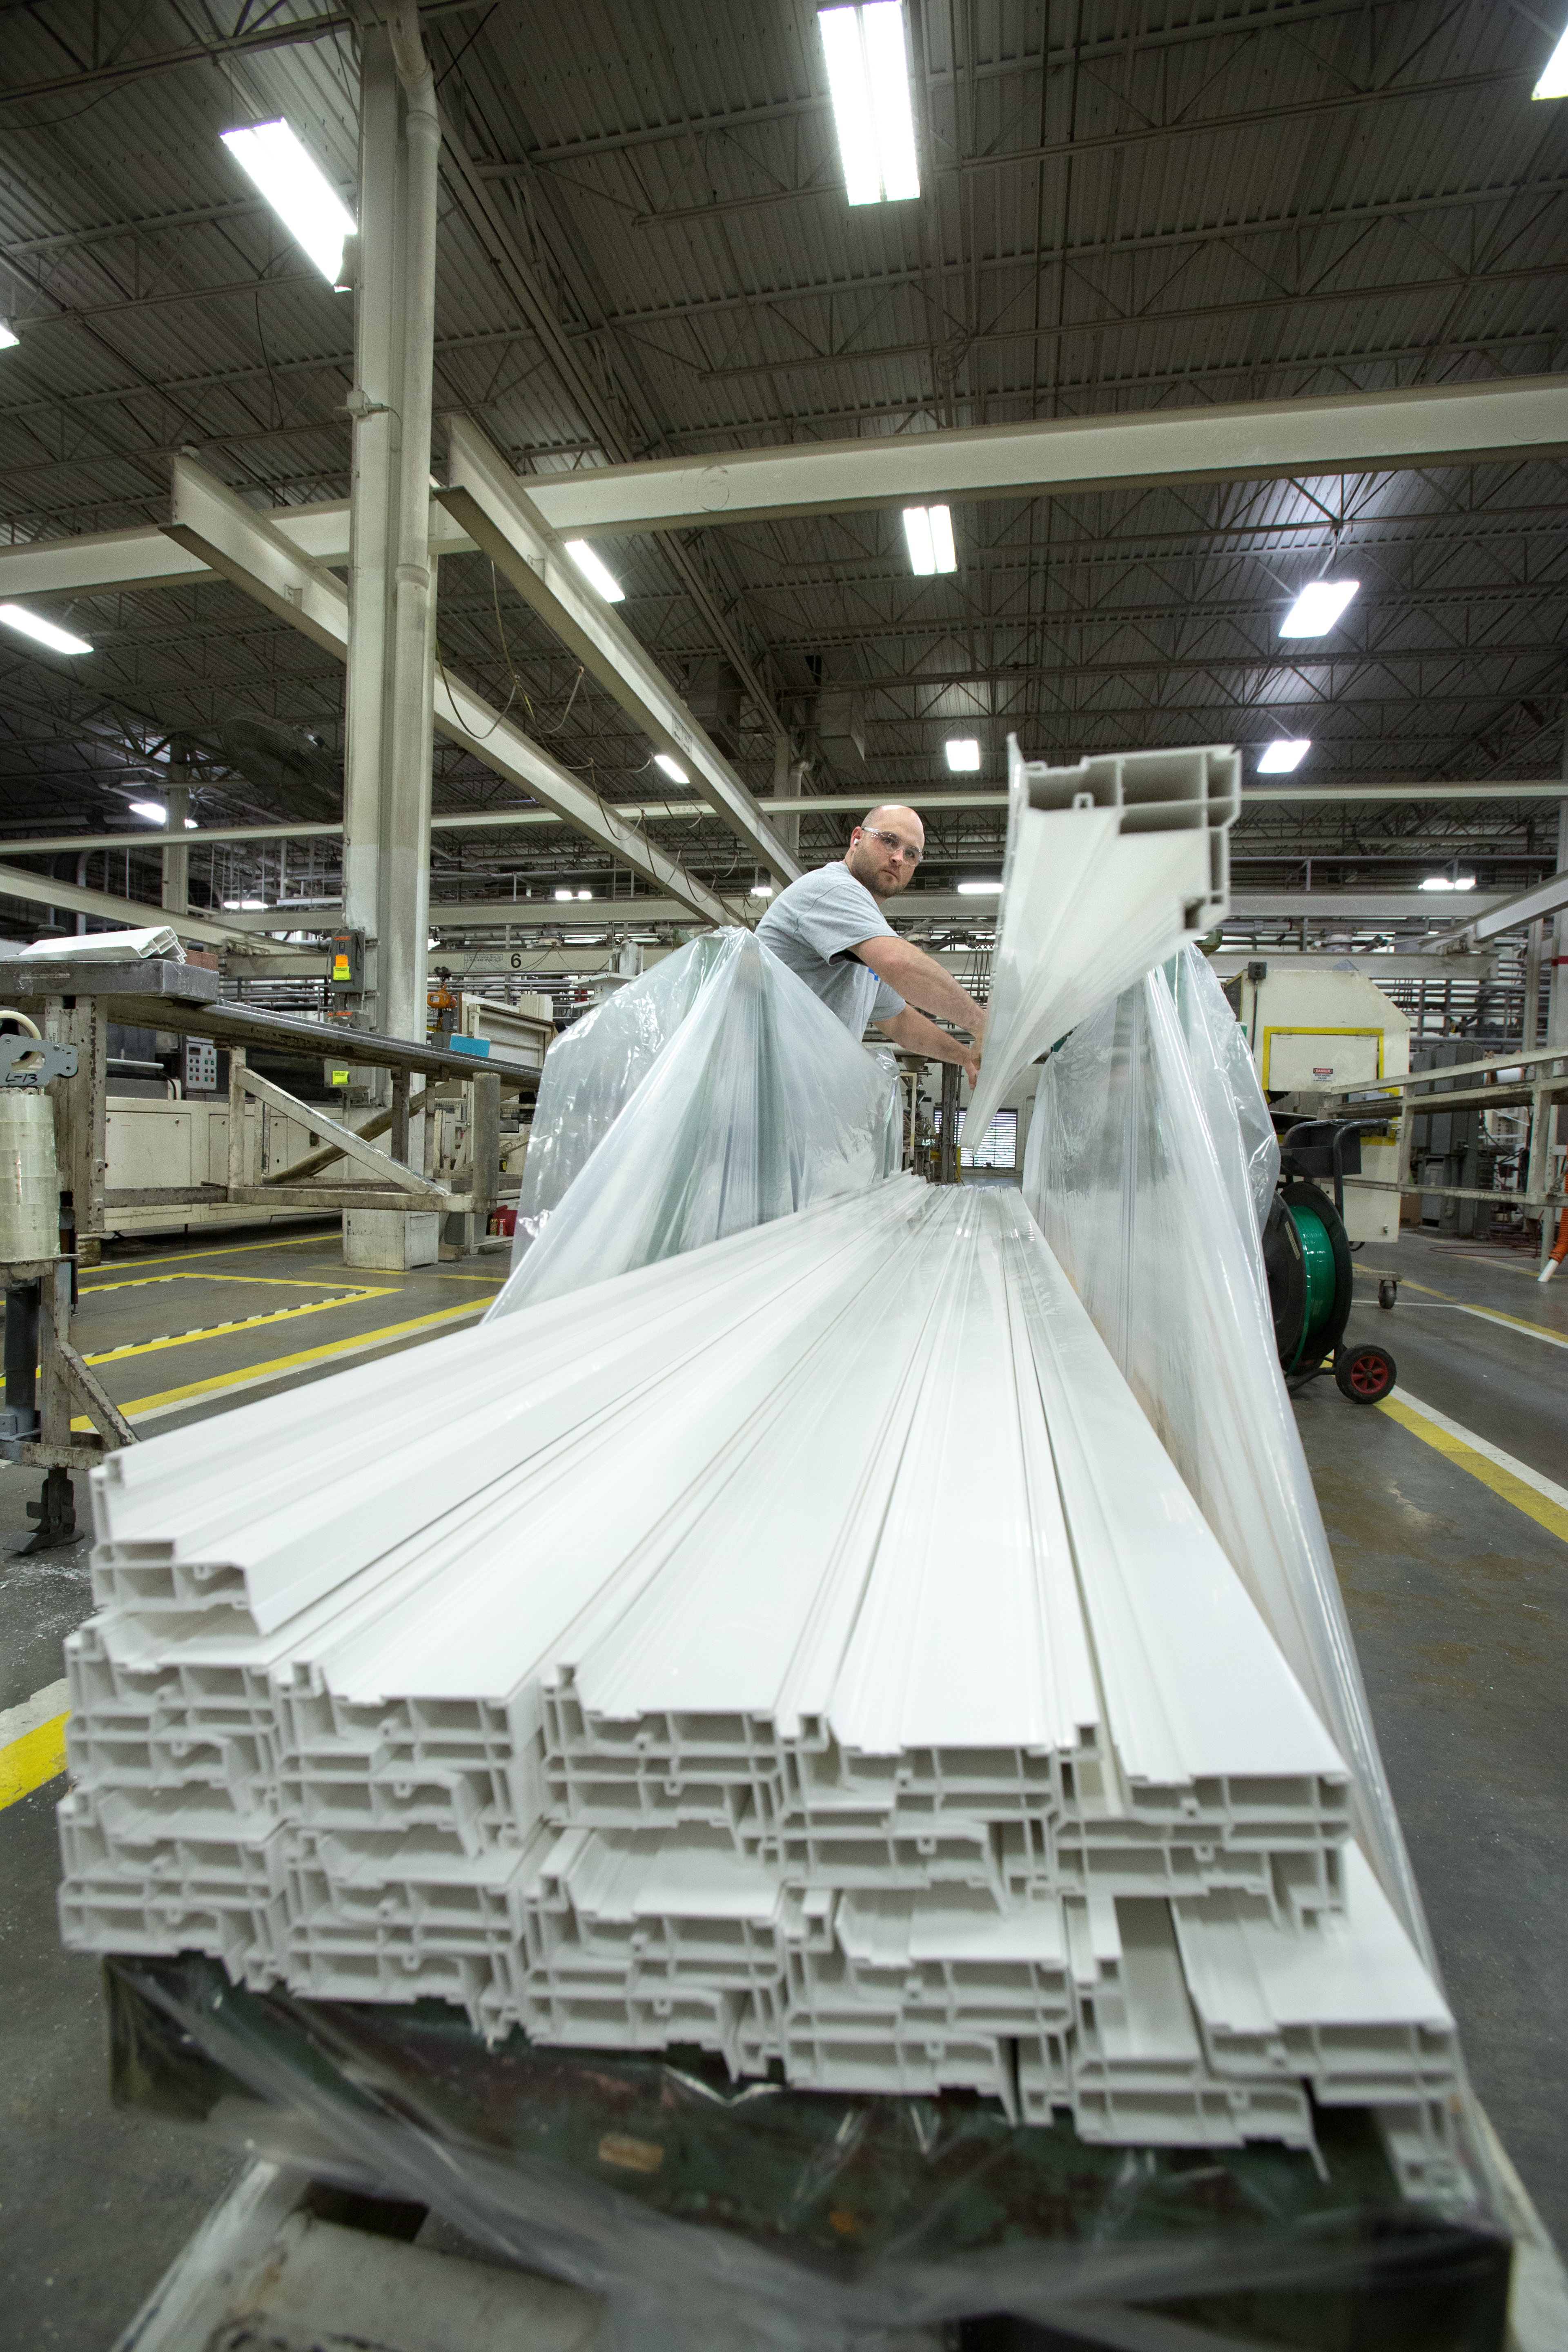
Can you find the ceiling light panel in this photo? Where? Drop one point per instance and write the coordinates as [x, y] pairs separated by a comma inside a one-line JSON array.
[[1554, 82], [963, 753], [928, 533], [1283, 757], [670, 767], [8, 336], [287, 175], [1318, 607], [868, 78], [42, 632], [598, 575]]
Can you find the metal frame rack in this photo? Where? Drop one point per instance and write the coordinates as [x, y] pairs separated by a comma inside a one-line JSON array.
[[1541, 1085], [74, 1005]]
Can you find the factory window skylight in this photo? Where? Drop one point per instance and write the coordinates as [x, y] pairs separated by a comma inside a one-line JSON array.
[[299, 191], [928, 534], [28, 625], [596, 573], [1318, 607], [963, 755], [1554, 82], [868, 80], [1282, 758], [671, 768]]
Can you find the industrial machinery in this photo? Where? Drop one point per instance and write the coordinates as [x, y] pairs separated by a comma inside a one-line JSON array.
[[1310, 1031], [1307, 1257]]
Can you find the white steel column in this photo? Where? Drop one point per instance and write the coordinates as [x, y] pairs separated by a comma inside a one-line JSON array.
[[177, 861], [386, 783]]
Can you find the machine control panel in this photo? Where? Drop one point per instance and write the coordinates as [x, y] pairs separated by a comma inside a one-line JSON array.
[[201, 1066]]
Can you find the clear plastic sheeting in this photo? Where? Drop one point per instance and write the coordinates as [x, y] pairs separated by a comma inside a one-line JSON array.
[[765, 2220], [1146, 1169], [713, 1095]]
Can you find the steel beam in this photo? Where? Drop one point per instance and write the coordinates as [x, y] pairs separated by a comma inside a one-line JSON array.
[[125, 914], [1343, 432], [506, 820], [486, 499], [1545, 897], [232, 539]]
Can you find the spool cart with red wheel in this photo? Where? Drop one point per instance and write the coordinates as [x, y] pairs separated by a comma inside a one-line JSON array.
[[1307, 1257]]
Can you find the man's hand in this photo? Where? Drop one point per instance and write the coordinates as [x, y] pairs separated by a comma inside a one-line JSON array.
[[971, 1070], [916, 1034]]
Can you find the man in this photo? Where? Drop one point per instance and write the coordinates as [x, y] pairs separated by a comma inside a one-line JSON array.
[[829, 928]]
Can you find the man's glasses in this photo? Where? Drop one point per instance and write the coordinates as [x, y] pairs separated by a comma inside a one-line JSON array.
[[910, 856]]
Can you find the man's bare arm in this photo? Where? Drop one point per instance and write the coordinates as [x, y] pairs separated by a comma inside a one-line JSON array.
[[916, 1034], [920, 980]]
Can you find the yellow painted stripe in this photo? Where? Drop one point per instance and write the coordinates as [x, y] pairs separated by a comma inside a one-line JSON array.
[[38, 1756], [256, 1281], [252, 1375], [1519, 1322], [1493, 1473], [242, 1249], [219, 1330]]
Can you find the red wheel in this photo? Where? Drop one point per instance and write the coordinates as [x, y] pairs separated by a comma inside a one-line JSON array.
[[1364, 1374]]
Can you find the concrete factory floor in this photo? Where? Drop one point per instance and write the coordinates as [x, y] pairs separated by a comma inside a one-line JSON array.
[[1455, 1570]]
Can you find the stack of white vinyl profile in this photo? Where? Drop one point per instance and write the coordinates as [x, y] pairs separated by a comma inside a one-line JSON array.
[[803, 1649]]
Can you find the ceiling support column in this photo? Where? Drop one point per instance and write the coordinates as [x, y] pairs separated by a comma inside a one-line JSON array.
[[1557, 986], [177, 861], [392, 601]]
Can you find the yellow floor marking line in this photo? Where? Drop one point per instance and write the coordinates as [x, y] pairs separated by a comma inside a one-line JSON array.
[[33, 1742], [259, 1281], [242, 1249], [253, 1376], [1385, 1273], [1542, 1500], [217, 1330], [1517, 1322]]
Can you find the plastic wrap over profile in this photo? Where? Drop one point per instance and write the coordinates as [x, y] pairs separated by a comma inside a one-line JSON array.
[[710, 1096], [1150, 1166]]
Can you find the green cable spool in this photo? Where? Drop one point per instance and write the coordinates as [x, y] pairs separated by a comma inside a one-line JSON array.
[[1317, 1261]]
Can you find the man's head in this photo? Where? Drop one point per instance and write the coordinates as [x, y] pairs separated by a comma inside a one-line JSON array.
[[885, 848]]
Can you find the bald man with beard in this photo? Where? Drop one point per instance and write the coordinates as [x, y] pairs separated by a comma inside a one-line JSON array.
[[829, 928]]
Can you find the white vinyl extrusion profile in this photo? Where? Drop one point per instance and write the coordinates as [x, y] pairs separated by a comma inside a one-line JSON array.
[[801, 1647]]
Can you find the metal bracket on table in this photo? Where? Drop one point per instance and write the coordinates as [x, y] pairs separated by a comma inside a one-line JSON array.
[[32, 1062]]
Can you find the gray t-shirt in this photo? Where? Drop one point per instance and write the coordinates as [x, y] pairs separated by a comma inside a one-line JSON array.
[[811, 927]]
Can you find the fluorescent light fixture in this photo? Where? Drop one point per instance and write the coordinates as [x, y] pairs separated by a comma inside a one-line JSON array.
[[1318, 607], [299, 191], [584, 894], [1282, 758], [1448, 882], [979, 889], [191, 827], [251, 906], [671, 768], [928, 534], [868, 78], [28, 625], [594, 573], [8, 335], [1554, 82], [761, 889], [963, 755], [153, 810], [563, 894]]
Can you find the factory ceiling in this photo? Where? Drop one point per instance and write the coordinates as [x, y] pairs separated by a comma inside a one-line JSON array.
[[646, 252]]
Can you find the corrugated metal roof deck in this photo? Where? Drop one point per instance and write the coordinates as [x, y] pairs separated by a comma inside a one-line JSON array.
[[1206, 199]]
